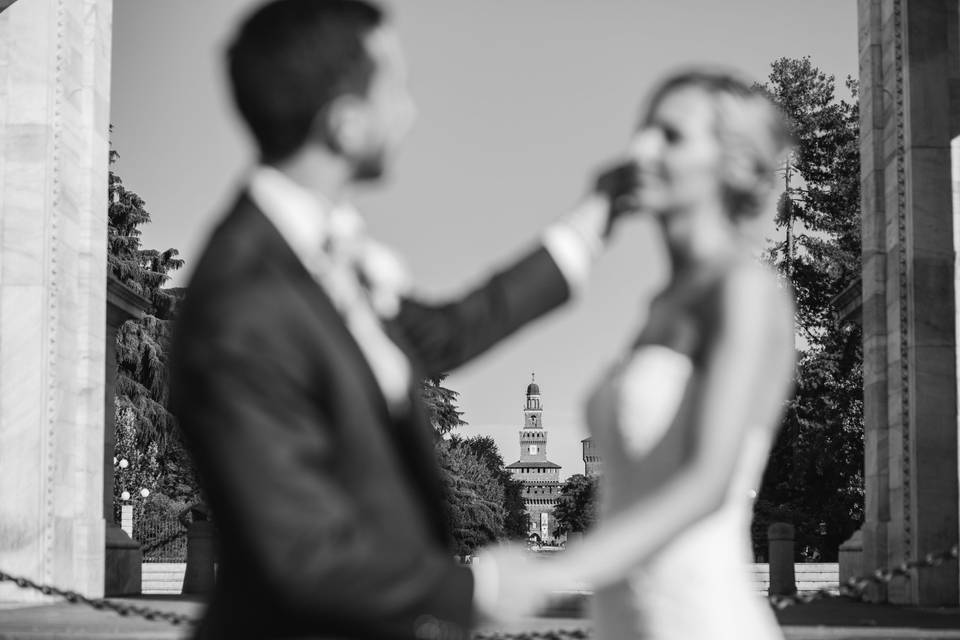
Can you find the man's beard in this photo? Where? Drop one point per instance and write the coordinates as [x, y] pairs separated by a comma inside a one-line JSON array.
[[370, 167]]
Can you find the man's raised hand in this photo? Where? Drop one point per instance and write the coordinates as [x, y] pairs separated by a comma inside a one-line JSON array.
[[617, 183]]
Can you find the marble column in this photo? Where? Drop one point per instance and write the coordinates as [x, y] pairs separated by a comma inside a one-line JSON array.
[[910, 99], [54, 120]]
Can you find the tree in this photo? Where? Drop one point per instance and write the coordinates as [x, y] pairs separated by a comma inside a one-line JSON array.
[[821, 194], [484, 502], [441, 405], [146, 431], [815, 475], [134, 469], [516, 522], [576, 508], [474, 498], [142, 270]]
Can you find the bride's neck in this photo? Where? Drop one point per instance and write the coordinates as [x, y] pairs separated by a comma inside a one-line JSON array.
[[697, 242]]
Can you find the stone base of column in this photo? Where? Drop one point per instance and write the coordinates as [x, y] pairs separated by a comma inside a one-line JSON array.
[[874, 556], [851, 557], [124, 563]]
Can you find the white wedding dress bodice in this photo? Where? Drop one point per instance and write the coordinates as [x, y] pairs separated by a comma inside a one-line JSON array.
[[697, 586]]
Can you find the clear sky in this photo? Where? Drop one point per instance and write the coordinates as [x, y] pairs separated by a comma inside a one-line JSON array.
[[518, 101]]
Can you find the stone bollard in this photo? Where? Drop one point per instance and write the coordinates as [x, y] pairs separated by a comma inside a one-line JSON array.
[[126, 519], [199, 575], [780, 540]]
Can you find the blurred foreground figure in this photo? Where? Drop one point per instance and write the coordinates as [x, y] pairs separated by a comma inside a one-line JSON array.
[[298, 352], [685, 420]]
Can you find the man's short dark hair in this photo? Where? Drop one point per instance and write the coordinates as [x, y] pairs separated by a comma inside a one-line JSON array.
[[291, 59]]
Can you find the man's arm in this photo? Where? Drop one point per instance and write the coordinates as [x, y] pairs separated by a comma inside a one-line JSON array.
[[444, 336]]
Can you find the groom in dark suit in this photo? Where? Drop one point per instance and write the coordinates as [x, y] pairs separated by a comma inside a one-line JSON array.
[[298, 351]]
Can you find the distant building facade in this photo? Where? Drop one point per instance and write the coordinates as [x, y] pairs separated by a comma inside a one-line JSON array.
[[540, 477], [592, 463]]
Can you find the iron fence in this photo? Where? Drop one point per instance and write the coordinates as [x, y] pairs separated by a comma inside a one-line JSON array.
[[162, 540]]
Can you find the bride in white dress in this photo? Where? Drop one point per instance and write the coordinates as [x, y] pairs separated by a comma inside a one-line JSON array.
[[685, 421]]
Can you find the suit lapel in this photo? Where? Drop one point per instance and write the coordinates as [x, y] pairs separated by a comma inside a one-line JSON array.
[[282, 258], [411, 434]]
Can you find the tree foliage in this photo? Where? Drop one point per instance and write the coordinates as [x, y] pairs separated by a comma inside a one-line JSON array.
[[474, 498], [133, 469], [815, 475], [146, 431], [142, 383], [441, 405], [516, 520], [821, 202], [576, 509], [145, 271], [483, 501]]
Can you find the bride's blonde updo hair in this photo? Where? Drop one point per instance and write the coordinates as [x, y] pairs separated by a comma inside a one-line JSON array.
[[752, 131]]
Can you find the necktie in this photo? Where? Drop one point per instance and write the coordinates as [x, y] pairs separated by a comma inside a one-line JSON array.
[[362, 279]]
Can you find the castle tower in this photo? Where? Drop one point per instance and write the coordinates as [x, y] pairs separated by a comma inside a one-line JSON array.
[[540, 477], [533, 437], [592, 463]]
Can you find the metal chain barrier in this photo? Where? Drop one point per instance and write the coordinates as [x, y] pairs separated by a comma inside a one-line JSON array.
[[558, 634], [100, 604], [854, 587]]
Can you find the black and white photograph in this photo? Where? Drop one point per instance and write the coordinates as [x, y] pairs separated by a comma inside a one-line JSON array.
[[479, 320]]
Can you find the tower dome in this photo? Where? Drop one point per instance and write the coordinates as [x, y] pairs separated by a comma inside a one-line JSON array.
[[533, 389]]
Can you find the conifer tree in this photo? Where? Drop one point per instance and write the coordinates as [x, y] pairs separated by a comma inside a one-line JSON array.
[[441, 405], [147, 428], [815, 475]]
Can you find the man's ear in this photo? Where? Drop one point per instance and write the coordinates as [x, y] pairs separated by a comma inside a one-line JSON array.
[[343, 124]]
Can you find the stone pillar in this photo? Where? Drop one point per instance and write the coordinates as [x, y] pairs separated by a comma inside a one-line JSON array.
[[126, 519], [54, 118], [910, 98], [783, 581], [199, 576], [851, 558]]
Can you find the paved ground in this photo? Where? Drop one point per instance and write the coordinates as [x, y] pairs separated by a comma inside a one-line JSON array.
[[825, 620], [63, 621], [846, 620]]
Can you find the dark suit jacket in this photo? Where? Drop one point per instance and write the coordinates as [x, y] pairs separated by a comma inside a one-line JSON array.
[[329, 509]]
